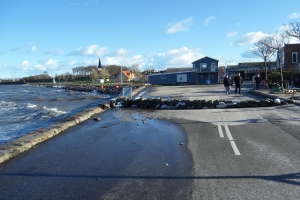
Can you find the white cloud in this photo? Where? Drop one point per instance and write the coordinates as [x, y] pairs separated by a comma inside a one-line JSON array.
[[47, 64], [122, 52], [25, 65], [92, 50], [181, 57], [231, 34], [32, 49], [208, 20], [249, 38], [294, 40], [294, 15], [179, 26]]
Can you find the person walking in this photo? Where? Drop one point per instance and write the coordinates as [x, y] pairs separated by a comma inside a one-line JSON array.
[[227, 84], [257, 82], [238, 80]]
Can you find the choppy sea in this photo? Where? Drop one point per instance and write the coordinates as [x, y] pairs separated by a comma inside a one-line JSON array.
[[25, 108]]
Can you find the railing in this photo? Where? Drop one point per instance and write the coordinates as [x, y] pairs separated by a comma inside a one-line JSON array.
[[201, 70]]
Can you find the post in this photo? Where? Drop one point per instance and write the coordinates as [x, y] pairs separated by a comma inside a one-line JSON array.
[[121, 76]]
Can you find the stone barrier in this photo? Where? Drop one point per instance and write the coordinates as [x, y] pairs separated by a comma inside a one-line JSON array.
[[160, 103]]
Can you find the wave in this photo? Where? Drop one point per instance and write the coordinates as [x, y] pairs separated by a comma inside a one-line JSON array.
[[29, 105], [51, 112], [27, 111]]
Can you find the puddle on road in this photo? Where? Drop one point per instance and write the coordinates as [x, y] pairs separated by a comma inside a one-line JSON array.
[[215, 116]]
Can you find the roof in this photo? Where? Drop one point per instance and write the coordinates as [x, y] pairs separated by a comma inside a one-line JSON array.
[[169, 70], [129, 74], [205, 58]]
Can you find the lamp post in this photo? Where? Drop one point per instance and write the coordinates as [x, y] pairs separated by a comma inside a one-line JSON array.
[[226, 69], [122, 73]]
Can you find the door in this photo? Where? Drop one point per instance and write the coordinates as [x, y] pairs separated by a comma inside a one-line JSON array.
[[181, 78]]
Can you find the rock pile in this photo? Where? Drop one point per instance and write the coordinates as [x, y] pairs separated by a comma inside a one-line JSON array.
[[160, 103]]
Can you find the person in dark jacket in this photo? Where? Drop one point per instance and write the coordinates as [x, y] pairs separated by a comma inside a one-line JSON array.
[[257, 82], [238, 80], [227, 84]]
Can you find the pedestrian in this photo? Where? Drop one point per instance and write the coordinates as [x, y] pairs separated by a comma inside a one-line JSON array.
[[238, 80], [257, 82], [227, 84]]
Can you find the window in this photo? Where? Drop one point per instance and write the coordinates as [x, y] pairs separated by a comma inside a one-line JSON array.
[[295, 57], [163, 77], [212, 67], [211, 75], [201, 75], [203, 65]]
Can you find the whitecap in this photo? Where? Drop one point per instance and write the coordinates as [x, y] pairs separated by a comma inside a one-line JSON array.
[[29, 105], [52, 112]]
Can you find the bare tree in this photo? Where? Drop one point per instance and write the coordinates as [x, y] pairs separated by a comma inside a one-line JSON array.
[[276, 41], [136, 70], [264, 51], [293, 29]]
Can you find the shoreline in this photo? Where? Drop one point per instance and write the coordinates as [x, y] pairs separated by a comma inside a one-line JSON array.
[[15, 147]]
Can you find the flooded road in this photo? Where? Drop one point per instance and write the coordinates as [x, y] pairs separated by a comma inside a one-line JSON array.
[[123, 156]]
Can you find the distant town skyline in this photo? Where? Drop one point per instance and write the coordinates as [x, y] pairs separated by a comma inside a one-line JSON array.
[[56, 36]]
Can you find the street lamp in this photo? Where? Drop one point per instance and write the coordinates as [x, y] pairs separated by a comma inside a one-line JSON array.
[[226, 69], [122, 73]]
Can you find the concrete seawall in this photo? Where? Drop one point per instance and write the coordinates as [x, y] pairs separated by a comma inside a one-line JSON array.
[[27, 141]]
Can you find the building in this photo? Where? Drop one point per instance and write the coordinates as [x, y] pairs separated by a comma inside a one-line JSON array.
[[126, 76], [249, 70], [290, 57], [203, 71]]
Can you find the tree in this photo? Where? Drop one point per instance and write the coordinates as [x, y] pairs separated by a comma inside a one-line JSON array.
[[276, 41], [293, 29], [114, 69], [264, 51], [94, 74], [136, 70], [103, 73]]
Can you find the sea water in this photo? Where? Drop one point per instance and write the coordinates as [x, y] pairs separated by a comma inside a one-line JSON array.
[[25, 108]]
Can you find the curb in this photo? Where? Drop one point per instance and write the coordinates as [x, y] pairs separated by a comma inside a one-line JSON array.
[[27, 141], [271, 96]]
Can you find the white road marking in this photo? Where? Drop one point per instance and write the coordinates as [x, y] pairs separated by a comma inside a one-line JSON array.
[[228, 133], [220, 131], [235, 149], [231, 140]]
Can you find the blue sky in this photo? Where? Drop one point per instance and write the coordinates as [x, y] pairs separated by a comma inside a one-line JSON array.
[[58, 35]]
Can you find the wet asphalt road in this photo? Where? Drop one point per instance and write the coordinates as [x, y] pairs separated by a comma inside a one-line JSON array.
[[110, 159]]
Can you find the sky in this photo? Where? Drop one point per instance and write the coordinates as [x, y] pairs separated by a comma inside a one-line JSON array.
[[58, 35]]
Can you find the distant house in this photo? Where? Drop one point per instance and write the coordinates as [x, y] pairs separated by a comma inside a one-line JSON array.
[[203, 71], [126, 76], [249, 70]]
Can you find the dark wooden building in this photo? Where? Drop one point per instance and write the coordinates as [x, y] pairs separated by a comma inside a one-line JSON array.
[[204, 71]]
